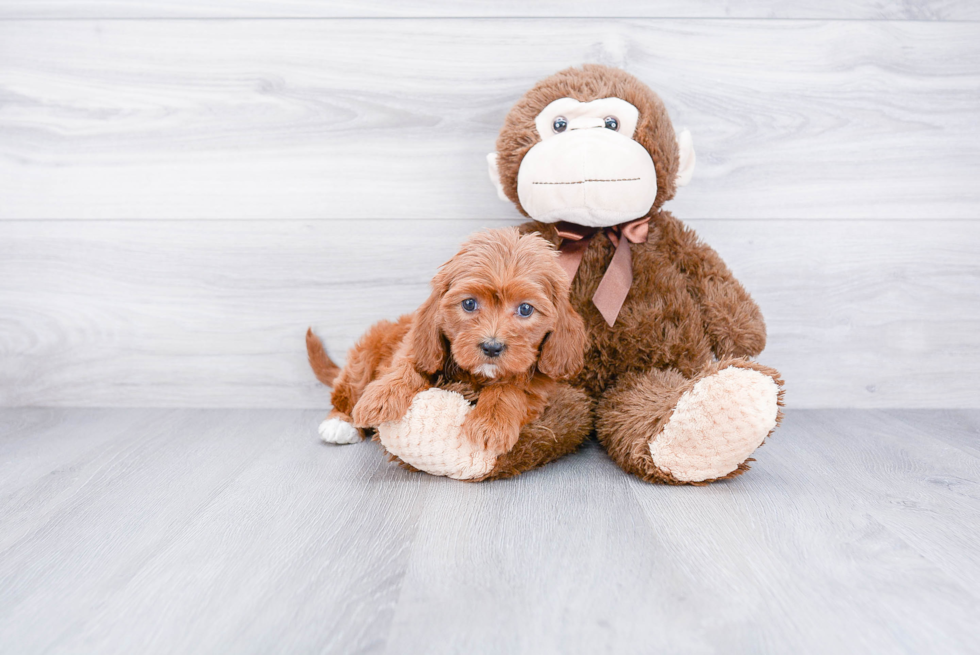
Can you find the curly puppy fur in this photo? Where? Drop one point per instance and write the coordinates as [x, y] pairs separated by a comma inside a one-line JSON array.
[[685, 315], [443, 343]]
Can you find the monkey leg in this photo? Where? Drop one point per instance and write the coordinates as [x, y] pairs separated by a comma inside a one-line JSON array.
[[663, 427], [429, 436]]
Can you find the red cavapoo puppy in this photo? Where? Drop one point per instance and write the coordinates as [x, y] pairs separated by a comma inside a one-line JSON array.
[[498, 324]]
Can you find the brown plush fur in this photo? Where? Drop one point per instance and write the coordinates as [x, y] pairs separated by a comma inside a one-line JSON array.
[[683, 308], [685, 316], [440, 344], [641, 404]]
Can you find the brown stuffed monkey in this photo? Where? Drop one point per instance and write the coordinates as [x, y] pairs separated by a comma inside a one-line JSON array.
[[668, 386]]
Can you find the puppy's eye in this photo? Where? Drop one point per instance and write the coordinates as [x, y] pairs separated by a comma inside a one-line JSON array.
[[524, 310], [611, 122], [560, 124], [469, 305]]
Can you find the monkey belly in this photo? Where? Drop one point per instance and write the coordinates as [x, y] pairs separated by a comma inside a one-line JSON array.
[[659, 326], [640, 346]]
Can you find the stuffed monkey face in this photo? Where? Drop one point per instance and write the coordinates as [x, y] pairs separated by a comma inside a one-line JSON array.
[[587, 169], [590, 160]]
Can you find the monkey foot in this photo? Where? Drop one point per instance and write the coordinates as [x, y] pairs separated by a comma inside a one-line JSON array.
[[717, 425], [429, 437]]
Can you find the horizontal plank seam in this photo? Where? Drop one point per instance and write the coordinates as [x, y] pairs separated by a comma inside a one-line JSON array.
[[325, 406], [14, 19], [516, 219]]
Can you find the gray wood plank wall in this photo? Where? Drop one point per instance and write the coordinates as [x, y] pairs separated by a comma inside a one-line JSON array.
[[392, 118], [180, 198], [832, 9]]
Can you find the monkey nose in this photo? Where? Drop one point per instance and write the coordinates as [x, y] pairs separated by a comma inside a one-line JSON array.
[[492, 348]]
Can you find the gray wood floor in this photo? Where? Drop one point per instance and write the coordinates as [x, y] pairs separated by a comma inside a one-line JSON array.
[[145, 531]]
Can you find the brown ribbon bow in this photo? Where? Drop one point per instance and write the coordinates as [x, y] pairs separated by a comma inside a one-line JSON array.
[[615, 284]]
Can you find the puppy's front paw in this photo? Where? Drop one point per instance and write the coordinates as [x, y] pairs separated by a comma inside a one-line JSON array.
[[381, 402], [367, 414], [429, 437], [492, 438], [335, 430]]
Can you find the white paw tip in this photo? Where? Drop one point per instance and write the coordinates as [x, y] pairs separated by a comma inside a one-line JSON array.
[[334, 430]]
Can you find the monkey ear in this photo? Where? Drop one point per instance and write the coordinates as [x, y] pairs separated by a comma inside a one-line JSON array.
[[685, 168], [495, 176]]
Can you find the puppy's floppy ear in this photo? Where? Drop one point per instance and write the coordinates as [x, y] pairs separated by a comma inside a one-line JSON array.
[[425, 335], [563, 351]]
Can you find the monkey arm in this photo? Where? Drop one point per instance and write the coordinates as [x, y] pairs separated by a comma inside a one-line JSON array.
[[734, 322], [732, 319], [430, 435]]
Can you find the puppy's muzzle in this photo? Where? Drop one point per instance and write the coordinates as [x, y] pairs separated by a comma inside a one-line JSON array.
[[492, 348]]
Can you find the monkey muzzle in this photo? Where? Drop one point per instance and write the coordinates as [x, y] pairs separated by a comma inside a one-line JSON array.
[[594, 177]]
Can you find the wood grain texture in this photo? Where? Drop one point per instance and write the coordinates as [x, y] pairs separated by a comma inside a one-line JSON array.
[[173, 526], [826, 525], [392, 118], [932, 476], [236, 531], [212, 313], [550, 9], [32, 444]]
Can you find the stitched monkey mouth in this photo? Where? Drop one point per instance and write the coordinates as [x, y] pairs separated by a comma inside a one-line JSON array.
[[624, 179]]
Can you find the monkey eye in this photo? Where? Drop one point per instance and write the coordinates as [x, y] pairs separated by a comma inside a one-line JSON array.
[[524, 310], [560, 124], [469, 305], [611, 122]]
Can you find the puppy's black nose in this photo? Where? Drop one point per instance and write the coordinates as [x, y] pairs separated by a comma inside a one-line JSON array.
[[492, 348]]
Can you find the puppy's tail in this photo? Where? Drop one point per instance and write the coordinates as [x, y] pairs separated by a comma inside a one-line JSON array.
[[324, 368]]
